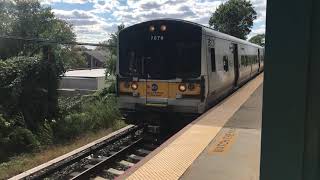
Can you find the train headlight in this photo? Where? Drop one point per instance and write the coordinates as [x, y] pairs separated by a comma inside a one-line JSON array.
[[163, 27], [182, 87], [134, 86], [151, 28]]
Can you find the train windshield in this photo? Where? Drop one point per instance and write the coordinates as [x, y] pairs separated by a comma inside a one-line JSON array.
[[160, 57]]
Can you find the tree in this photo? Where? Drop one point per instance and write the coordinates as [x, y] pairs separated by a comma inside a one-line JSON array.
[[28, 19], [258, 39], [28, 81], [112, 58], [113, 41], [234, 17], [72, 57]]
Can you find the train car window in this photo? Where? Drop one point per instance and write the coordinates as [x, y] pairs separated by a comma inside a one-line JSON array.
[[187, 62], [246, 60], [132, 62], [225, 63], [243, 61], [213, 59]]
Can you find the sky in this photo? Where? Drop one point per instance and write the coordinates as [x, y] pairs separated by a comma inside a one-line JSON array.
[[94, 20]]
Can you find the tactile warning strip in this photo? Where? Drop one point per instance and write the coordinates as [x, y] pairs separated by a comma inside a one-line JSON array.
[[173, 160]]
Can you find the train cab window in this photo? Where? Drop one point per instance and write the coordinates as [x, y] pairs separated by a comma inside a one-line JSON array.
[[213, 59], [225, 63], [132, 62]]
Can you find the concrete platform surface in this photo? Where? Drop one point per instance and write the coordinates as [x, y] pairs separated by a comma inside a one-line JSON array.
[[234, 154]]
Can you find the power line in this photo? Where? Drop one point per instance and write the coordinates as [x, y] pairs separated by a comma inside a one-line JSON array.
[[38, 40]]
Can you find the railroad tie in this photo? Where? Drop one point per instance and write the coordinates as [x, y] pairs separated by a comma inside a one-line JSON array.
[[150, 146], [74, 174], [115, 172], [143, 152], [126, 163], [100, 178], [88, 166], [135, 157]]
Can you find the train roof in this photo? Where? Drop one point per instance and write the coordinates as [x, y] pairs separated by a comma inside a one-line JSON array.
[[208, 29]]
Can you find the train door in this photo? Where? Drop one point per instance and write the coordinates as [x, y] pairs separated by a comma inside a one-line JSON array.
[[157, 90], [236, 64]]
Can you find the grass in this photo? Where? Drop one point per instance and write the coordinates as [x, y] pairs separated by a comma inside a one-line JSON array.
[[23, 162]]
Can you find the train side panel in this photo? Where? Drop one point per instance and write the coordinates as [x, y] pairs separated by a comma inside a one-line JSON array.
[[220, 67]]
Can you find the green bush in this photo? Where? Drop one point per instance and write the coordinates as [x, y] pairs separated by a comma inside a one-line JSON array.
[[91, 113], [69, 104], [71, 126], [102, 112], [5, 128], [110, 90], [22, 140], [45, 134], [25, 91]]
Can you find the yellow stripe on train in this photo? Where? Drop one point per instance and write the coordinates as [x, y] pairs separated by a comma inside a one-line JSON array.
[[159, 89]]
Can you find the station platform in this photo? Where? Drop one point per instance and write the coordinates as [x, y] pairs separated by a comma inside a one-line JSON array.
[[222, 144]]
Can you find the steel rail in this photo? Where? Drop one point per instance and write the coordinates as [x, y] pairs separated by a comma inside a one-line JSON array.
[[107, 162]]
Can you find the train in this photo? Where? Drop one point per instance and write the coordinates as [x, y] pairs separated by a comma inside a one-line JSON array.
[[172, 65]]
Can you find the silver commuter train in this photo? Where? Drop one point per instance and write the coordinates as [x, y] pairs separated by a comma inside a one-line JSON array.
[[179, 66]]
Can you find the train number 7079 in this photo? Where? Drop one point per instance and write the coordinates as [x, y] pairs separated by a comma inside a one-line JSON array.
[[157, 38]]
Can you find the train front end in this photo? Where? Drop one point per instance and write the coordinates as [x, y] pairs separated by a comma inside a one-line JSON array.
[[159, 67]]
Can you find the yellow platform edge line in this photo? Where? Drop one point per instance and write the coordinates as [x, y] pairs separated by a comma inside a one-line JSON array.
[[173, 160]]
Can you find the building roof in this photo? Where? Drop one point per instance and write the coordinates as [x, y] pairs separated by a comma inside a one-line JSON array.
[[92, 73], [100, 55]]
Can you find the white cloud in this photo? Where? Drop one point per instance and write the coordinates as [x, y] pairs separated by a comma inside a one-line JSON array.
[[259, 30], [87, 26], [96, 24], [63, 1]]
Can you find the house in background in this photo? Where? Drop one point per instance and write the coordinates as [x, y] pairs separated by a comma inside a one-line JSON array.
[[96, 58], [88, 80], [81, 82]]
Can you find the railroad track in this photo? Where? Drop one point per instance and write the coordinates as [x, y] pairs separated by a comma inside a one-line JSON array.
[[104, 159], [116, 163]]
